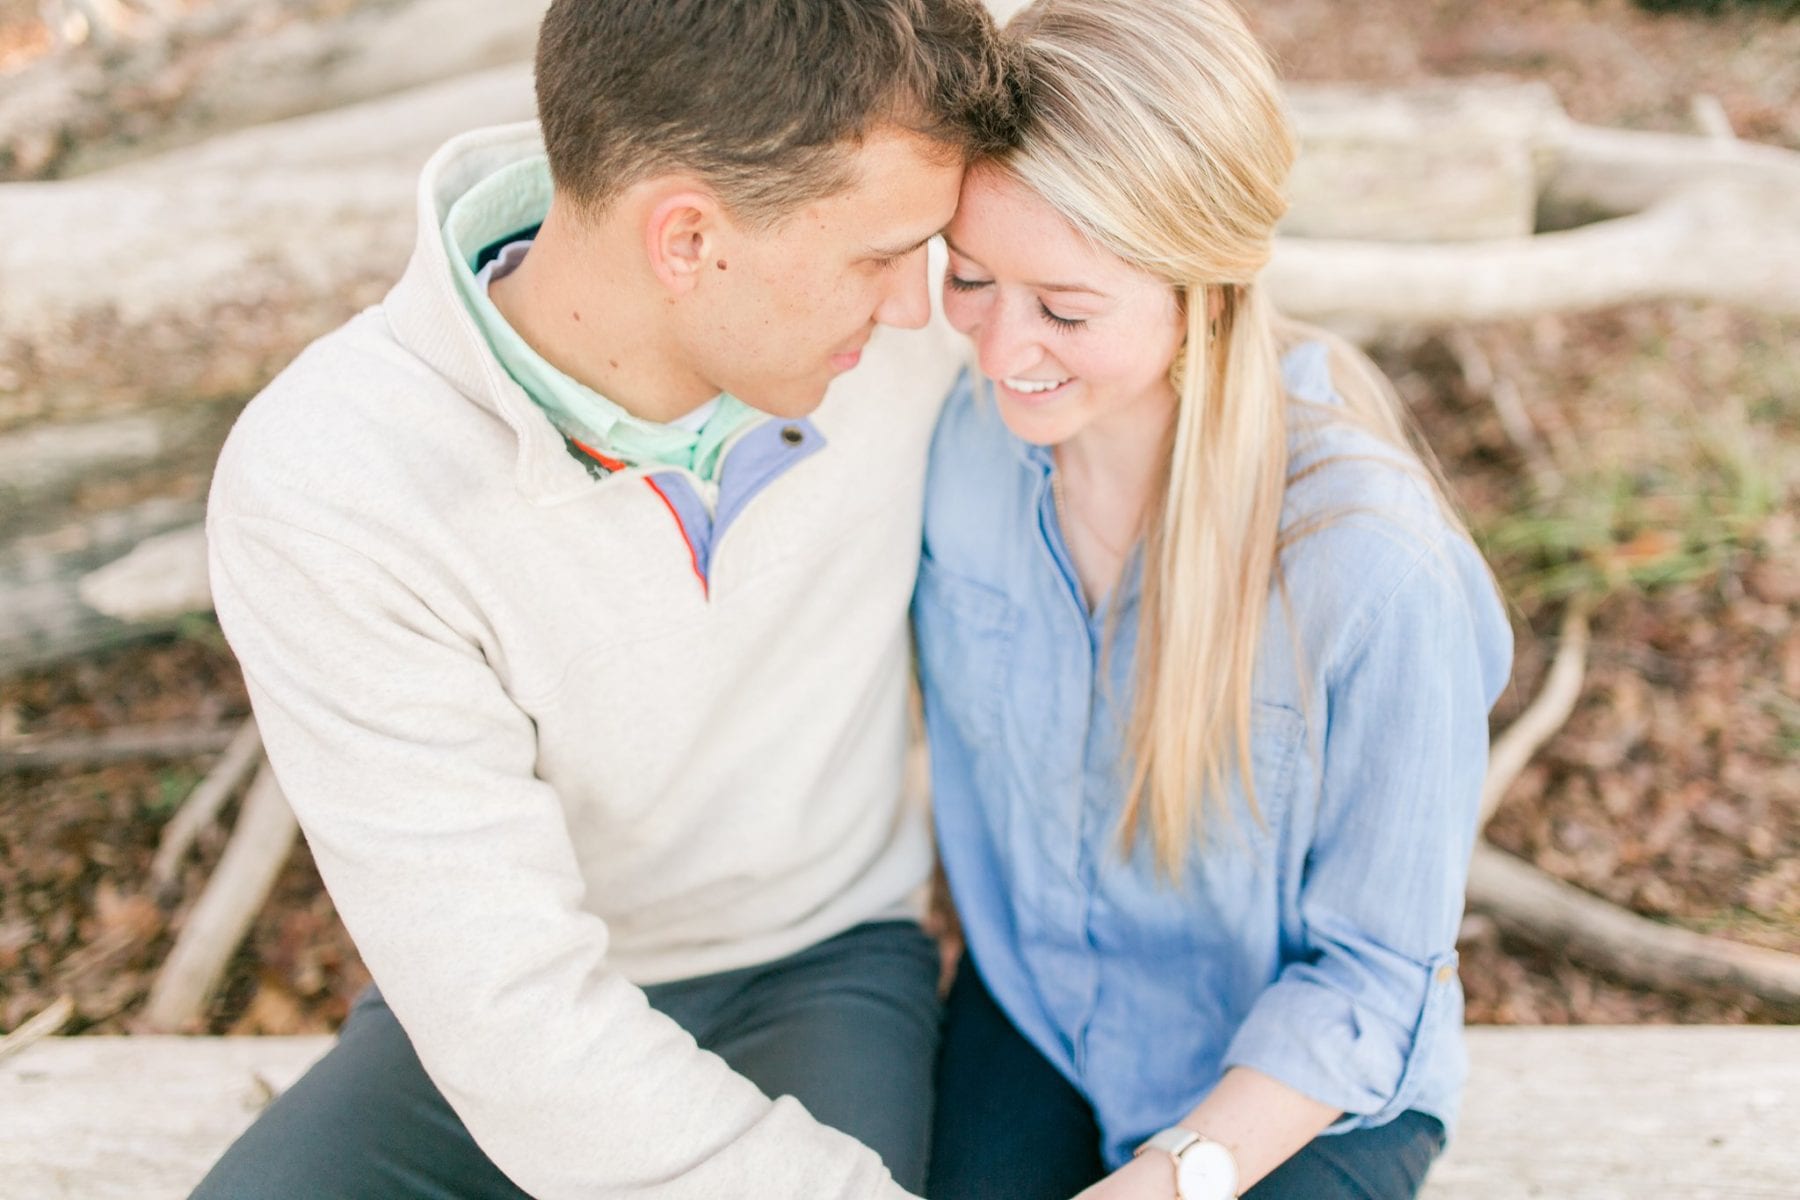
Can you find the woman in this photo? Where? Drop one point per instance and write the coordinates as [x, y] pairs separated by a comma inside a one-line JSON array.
[[1168, 536]]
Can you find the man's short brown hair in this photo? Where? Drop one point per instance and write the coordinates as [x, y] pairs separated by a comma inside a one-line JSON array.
[[761, 99]]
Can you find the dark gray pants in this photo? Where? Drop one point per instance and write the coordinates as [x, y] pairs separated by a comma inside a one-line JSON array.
[[1010, 1127], [848, 1027]]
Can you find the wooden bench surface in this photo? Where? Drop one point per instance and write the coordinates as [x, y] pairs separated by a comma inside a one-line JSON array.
[[1581, 1113]]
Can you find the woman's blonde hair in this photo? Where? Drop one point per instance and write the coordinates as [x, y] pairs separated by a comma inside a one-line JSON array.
[[1156, 128]]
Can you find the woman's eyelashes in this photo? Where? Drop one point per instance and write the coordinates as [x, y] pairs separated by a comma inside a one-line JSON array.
[[959, 284]]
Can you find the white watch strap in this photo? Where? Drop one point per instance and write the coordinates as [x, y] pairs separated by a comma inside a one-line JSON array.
[[1172, 1141], [1176, 1141]]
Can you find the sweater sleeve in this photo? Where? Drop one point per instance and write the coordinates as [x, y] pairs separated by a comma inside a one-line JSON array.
[[412, 773]]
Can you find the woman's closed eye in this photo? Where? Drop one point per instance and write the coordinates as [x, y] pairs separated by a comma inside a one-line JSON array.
[[1060, 322], [959, 284]]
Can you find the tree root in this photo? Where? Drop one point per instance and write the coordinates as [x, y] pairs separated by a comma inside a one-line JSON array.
[[1534, 907], [202, 805], [240, 885]]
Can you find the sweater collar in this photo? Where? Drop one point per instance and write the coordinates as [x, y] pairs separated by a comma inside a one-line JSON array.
[[513, 199], [427, 315]]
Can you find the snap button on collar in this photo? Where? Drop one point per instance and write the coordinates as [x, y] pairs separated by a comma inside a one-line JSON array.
[[793, 435]]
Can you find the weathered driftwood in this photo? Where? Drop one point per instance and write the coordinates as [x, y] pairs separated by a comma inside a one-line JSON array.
[[260, 844], [163, 577], [1686, 1113], [230, 64], [37, 1028], [1715, 242], [198, 274], [43, 616], [115, 745], [201, 807], [1624, 1113], [54, 473], [1440, 162], [107, 1118]]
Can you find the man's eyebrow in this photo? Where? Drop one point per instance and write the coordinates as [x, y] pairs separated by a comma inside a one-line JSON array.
[[900, 251], [1042, 287]]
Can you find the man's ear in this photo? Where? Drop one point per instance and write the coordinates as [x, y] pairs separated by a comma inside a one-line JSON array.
[[681, 237]]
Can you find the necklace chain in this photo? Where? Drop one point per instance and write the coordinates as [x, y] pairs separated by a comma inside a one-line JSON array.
[[1066, 517]]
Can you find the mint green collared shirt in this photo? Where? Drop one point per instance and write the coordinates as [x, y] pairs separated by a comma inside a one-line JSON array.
[[516, 198]]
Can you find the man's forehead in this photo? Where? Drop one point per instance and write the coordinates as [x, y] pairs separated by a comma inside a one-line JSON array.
[[902, 193]]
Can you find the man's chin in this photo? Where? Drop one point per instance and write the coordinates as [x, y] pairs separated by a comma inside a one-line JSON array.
[[790, 403]]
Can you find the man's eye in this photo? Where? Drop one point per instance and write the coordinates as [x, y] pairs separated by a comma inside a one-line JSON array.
[[959, 284]]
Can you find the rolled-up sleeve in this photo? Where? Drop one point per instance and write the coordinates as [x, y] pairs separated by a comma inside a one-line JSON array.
[[1355, 1017]]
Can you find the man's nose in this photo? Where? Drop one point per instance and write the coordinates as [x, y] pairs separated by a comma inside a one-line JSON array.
[[907, 302]]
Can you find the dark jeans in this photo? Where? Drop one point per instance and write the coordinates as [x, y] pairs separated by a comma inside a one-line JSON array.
[[848, 1027], [1010, 1127]]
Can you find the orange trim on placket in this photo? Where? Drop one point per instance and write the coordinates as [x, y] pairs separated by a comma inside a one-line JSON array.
[[693, 556], [607, 461]]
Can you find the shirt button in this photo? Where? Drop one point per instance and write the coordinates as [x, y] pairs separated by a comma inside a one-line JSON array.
[[1446, 973], [793, 435]]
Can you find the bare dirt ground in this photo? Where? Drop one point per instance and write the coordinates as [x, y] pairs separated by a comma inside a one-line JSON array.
[[1674, 790]]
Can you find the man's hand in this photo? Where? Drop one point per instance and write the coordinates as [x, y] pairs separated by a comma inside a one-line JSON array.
[[942, 923]]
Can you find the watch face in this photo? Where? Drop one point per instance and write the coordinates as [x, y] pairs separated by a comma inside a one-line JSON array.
[[1206, 1172]]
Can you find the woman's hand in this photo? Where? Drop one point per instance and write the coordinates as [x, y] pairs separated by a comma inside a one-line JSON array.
[[1262, 1121], [1146, 1177]]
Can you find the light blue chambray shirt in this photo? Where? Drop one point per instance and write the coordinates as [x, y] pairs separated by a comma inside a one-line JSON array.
[[1317, 946]]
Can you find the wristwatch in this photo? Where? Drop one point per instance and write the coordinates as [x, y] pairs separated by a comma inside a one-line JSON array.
[[1204, 1169]]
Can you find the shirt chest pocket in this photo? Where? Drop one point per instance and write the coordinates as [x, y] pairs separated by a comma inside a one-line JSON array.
[[965, 631]]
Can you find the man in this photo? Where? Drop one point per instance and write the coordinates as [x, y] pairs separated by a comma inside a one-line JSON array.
[[579, 647]]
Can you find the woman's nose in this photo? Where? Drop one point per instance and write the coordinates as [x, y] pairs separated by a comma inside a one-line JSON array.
[[1006, 346]]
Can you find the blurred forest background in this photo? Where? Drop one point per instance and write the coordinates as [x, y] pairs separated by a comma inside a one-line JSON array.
[[1636, 465]]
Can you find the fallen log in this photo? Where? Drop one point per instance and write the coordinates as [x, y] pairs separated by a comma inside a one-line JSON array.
[[57, 474], [195, 276], [43, 615], [1723, 243], [230, 64], [114, 745], [197, 273], [1593, 172], [1435, 162], [102, 582], [1686, 1113]]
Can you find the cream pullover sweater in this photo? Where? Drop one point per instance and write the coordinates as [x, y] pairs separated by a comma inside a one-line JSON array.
[[538, 762]]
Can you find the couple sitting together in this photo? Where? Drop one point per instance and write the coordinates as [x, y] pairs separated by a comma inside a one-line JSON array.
[[580, 586]]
